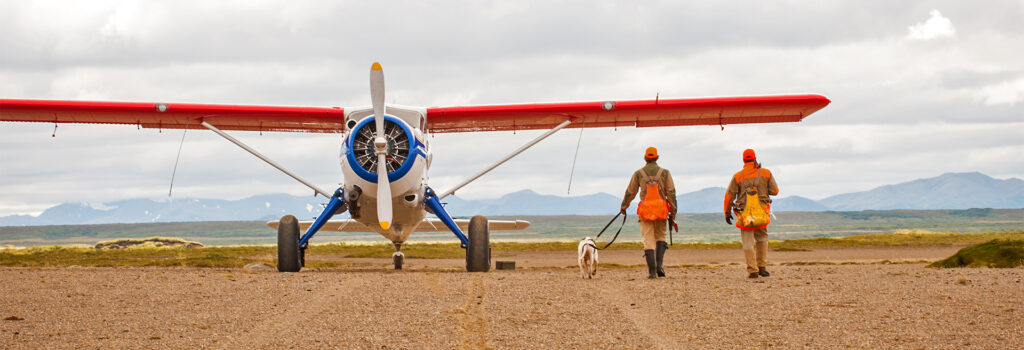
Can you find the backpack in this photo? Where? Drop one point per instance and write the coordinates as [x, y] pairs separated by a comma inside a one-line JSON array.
[[753, 215], [653, 207]]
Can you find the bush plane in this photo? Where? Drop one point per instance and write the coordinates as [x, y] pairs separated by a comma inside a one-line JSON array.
[[386, 154]]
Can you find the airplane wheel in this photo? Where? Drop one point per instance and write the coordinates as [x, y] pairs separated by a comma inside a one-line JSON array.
[[288, 255], [399, 259], [478, 252]]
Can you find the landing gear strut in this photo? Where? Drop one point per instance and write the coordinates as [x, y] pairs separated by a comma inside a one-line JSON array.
[[291, 249]]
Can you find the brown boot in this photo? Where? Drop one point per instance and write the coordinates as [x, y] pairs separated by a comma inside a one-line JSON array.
[[662, 247], [651, 267]]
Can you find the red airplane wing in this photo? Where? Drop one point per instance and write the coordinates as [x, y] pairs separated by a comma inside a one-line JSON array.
[[176, 115], [645, 113], [641, 113]]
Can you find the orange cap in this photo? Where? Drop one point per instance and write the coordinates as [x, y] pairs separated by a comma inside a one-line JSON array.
[[651, 153], [749, 155]]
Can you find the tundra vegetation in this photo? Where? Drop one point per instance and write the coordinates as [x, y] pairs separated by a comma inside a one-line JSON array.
[[693, 228], [326, 255], [1001, 253]]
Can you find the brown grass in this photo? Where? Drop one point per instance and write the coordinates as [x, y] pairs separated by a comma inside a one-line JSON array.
[[238, 256]]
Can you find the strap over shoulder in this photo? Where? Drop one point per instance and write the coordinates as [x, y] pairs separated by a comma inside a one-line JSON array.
[[643, 176]]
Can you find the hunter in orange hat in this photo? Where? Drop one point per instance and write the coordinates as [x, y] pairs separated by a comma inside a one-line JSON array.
[[748, 197], [656, 210]]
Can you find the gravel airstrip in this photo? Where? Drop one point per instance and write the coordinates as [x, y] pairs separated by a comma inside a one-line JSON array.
[[812, 300]]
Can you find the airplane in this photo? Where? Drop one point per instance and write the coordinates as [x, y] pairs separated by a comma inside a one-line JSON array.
[[387, 144]]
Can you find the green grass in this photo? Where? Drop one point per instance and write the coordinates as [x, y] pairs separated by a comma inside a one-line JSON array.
[[900, 239], [222, 257], [1002, 253], [326, 255]]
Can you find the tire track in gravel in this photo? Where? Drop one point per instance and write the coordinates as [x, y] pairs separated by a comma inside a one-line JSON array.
[[474, 321], [626, 301], [306, 298]]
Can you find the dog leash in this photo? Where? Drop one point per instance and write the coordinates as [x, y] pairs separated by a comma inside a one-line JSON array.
[[616, 232]]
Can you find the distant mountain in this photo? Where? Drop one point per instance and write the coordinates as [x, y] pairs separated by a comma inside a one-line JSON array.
[[797, 203], [262, 207], [948, 191], [528, 202], [708, 200]]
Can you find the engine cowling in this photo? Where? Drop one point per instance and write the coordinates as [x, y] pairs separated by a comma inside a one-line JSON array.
[[402, 148]]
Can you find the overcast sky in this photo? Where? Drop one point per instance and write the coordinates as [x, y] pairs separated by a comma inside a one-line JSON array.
[[918, 88]]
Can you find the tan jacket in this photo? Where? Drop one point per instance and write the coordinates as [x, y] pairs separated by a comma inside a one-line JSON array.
[[666, 184], [752, 175]]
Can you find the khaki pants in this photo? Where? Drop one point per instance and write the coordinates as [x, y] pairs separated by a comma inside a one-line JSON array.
[[652, 232], [756, 239]]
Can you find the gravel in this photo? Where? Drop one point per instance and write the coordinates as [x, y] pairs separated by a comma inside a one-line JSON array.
[[832, 306]]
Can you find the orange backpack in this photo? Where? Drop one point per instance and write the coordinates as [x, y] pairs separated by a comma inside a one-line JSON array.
[[653, 207], [753, 216]]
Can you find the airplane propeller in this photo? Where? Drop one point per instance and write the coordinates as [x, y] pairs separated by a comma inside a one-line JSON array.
[[384, 212]]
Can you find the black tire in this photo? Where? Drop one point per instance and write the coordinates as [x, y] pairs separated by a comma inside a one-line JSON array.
[[478, 252], [288, 259], [398, 259]]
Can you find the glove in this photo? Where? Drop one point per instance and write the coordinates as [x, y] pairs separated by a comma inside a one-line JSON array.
[[622, 211], [728, 218], [674, 225]]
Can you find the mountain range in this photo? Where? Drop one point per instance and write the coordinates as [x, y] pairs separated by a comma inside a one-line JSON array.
[[948, 191]]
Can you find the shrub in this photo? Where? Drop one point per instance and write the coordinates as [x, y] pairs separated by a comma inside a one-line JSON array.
[[1001, 253]]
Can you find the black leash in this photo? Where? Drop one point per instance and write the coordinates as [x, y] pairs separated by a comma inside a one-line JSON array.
[[616, 232]]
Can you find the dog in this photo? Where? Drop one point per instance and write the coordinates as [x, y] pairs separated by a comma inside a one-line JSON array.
[[587, 257]]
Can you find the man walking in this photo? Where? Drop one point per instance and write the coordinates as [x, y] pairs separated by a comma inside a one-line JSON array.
[[657, 204], [747, 196]]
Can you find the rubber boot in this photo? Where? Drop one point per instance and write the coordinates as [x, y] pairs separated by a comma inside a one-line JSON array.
[[662, 246], [651, 267]]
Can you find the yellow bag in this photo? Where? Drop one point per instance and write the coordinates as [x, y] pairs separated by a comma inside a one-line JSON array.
[[653, 207], [753, 215]]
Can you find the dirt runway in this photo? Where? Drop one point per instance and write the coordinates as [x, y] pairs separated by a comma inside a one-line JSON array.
[[817, 306]]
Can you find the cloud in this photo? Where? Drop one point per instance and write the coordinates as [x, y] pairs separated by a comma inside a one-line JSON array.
[[1009, 93], [936, 27], [993, 88], [902, 108]]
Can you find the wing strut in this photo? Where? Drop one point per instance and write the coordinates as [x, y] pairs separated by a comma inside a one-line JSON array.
[[265, 159], [503, 160]]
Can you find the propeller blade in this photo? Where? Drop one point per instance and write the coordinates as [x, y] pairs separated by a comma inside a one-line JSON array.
[[383, 193], [377, 96], [381, 145]]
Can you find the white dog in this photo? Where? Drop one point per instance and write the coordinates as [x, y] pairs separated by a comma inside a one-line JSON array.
[[587, 252]]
